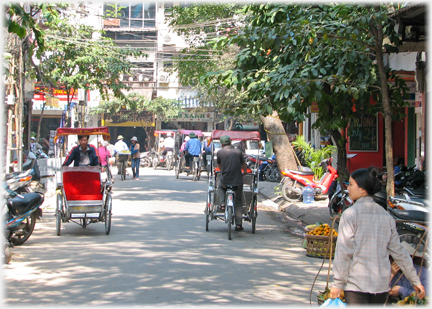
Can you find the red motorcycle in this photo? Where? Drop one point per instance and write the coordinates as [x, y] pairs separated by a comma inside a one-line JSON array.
[[295, 181]]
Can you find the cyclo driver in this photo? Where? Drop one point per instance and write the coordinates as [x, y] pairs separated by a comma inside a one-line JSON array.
[[192, 148], [232, 166]]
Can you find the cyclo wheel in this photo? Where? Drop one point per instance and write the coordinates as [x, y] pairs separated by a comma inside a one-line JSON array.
[[177, 169], [108, 207], [123, 170], [169, 163], [59, 213], [254, 214], [194, 171], [229, 220]]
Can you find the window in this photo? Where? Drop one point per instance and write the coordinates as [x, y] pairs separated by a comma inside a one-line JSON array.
[[133, 14]]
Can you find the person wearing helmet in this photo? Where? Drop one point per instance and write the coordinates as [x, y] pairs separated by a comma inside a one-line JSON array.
[[34, 146]]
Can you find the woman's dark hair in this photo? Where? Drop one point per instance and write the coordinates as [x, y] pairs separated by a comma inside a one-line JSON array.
[[367, 178]]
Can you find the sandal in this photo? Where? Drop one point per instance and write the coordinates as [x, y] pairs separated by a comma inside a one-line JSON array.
[[222, 208], [239, 228]]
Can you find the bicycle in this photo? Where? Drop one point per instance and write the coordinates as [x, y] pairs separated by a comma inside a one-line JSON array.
[[123, 157]]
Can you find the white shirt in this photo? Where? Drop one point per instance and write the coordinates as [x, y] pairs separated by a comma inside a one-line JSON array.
[[120, 145], [169, 142]]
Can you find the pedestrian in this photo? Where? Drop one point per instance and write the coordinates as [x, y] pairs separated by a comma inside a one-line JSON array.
[[367, 236], [119, 146], [192, 148], [135, 157], [232, 167], [83, 154], [104, 156]]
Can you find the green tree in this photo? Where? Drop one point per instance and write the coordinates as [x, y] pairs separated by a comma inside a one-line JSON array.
[[294, 55], [78, 56], [135, 104]]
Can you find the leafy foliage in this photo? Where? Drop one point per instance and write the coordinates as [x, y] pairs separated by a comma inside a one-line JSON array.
[[137, 103], [312, 156], [80, 57]]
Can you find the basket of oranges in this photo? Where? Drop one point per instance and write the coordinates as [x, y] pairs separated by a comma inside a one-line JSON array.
[[318, 241]]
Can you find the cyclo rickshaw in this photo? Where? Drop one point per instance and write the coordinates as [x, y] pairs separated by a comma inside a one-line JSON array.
[[212, 209], [180, 165], [158, 159], [82, 194]]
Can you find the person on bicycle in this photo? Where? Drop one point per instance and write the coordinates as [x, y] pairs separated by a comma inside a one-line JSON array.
[[119, 146], [192, 148], [232, 166], [83, 154]]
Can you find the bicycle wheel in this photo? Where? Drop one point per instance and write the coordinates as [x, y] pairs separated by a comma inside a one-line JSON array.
[[292, 191], [194, 171], [59, 212], [415, 241], [108, 206], [123, 171], [229, 220]]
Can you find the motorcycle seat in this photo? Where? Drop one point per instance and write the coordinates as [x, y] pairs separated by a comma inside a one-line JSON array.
[[302, 173], [409, 215], [19, 205]]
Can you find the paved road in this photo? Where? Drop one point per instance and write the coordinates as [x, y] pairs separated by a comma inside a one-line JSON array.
[[158, 253]]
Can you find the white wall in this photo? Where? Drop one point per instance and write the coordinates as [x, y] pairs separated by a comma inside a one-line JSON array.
[[403, 61]]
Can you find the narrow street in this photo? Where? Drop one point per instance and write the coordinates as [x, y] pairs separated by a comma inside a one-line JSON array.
[[158, 253]]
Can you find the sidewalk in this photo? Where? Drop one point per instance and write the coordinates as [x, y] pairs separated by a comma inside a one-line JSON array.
[[306, 213]]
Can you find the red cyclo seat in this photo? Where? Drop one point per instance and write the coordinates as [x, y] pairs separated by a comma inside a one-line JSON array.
[[82, 183]]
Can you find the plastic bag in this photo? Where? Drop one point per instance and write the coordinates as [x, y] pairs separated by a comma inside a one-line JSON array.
[[337, 302]]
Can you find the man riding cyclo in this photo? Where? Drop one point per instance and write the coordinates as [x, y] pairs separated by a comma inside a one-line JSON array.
[[84, 154], [192, 148], [232, 166]]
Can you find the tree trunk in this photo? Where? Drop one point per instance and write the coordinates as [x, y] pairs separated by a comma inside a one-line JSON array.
[[285, 156], [342, 168], [378, 31]]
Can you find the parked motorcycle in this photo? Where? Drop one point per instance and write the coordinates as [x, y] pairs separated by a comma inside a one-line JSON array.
[[146, 159], [296, 181], [19, 214]]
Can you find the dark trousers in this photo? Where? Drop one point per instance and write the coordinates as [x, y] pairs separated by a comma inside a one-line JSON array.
[[237, 201], [358, 298], [189, 158]]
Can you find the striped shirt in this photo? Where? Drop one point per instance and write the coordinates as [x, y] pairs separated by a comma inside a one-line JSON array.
[[367, 236]]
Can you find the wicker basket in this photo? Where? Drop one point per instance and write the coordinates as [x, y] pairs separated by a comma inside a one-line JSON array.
[[123, 156], [317, 246]]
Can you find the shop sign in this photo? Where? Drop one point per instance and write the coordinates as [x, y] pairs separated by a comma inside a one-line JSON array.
[[129, 119], [193, 117], [314, 107]]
